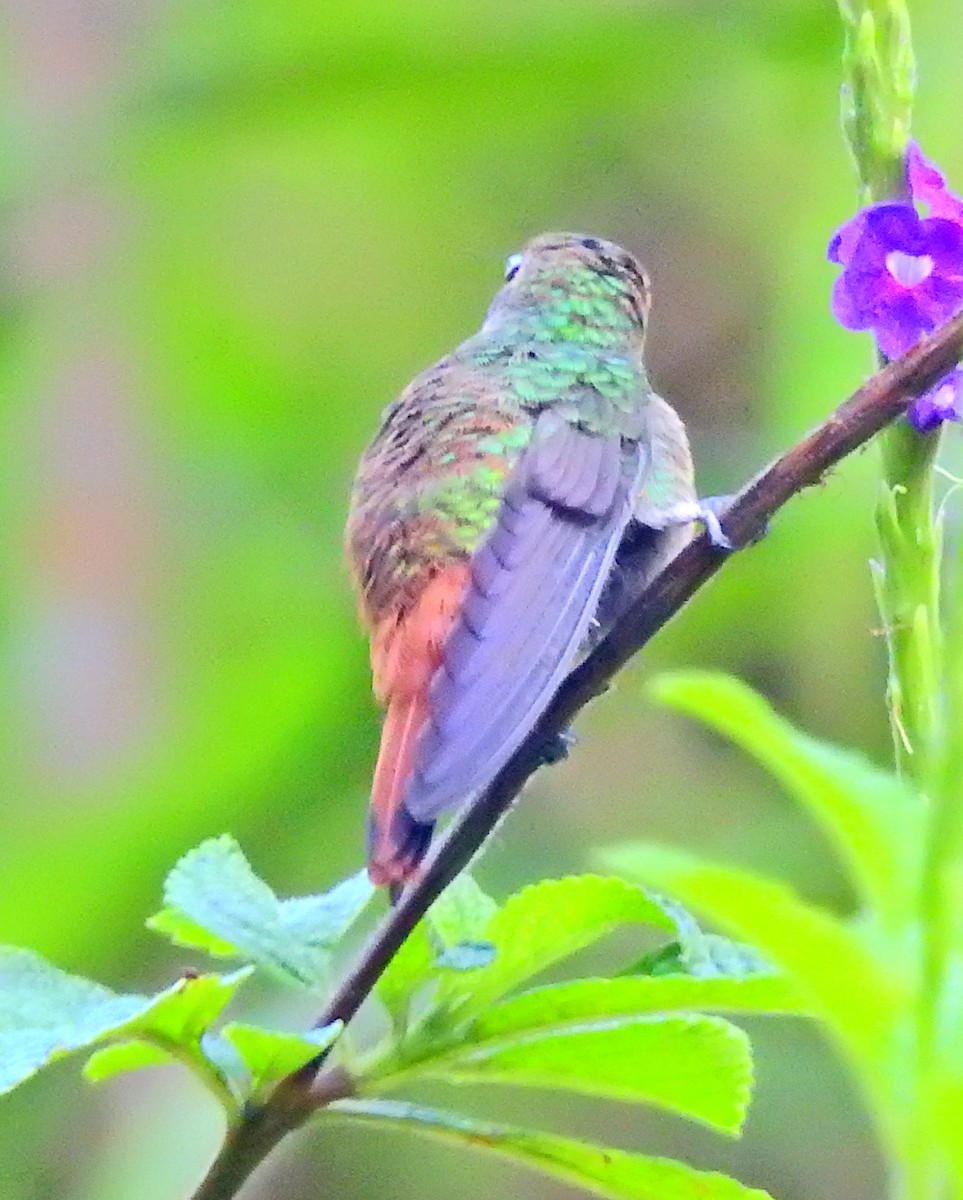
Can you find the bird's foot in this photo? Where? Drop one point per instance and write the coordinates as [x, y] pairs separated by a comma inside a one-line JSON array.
[[685, 512], [714, 507], [709, 510]]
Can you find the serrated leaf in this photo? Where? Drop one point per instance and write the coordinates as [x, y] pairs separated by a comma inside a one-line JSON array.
[[447, 938], [604, 1170], [178, 1019], [556, 1005], [711, 956], [539, 926], [269, 1055], [697, 952], [119, 1057], [183, 1012], [182, 931], [551, 1009], [699, 1067], [846, 985], [46, 1013], [409, 971], [457, 919], [216, 903], [462, 912], [871, 816]]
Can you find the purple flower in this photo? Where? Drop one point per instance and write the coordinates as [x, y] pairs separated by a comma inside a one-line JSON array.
[[939, 404], [927, 186], [902, 276]]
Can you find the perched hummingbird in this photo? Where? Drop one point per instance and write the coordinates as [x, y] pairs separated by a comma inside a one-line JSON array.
[[517, 495]]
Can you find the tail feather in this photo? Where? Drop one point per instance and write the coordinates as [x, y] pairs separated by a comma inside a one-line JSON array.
[[405, 653], [396, 841]]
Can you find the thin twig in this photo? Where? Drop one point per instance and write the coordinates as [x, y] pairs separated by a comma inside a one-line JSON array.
[[881, 399]]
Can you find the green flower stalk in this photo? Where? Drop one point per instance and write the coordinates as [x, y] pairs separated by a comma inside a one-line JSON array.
[[879, 79], [877, 96], [902, 278]]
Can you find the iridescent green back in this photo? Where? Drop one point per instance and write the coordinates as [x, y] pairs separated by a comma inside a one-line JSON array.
[[567, 333]]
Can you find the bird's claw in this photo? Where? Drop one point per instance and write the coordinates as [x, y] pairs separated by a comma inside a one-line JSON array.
[[710, 519], [711, 508]]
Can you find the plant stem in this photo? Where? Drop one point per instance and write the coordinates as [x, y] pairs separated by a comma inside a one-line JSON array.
[[249, 1143], [944, 850], [877, 94], [907, 579], [245, 1148]]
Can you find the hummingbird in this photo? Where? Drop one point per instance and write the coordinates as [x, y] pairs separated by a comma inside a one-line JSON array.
[[516, 497]]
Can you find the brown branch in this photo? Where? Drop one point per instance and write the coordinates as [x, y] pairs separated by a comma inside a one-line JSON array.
[[878, 402]]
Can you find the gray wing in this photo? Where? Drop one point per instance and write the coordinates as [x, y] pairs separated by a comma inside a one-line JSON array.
[[535, 585]]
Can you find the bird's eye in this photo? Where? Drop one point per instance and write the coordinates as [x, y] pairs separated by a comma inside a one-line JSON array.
[[512, 265]]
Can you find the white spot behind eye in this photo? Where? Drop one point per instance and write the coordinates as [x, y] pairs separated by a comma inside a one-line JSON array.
[[512, 264]]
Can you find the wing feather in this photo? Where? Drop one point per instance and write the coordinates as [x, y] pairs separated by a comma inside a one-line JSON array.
[[535, 585]]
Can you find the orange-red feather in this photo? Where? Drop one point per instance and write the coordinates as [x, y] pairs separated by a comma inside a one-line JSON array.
[[405, 652]]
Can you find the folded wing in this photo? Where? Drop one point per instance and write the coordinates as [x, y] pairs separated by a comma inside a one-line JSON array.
[[534, 588]]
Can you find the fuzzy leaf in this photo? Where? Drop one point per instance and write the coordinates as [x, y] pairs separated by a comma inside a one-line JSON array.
[[462, 912], [407, 973], [603, 1170], [584, 1000], [457, 919], [269, 1055], [45, 1014], [835, 972], [542, 924], [699, 1067], [182, 931], [119, 1057], [214, 902], [535, 928], [448, 937], [872, 817], [698, 953]]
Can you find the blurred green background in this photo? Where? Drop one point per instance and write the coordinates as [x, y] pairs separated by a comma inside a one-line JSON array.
[[234, 230]]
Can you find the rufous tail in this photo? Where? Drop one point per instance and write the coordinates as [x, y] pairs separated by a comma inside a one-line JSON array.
[[405, 653], [396, 841]]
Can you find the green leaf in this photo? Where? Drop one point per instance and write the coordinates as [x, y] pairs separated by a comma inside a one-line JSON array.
[[603, 1170], [462, 912], [535, 928], [182, 931], [835, 972], [871, 816], [177, 1021], [582, 1000], [119, 1057], [541, 925], [214, 902], [457, 919], [699, 1067], [45, 1014], [269, 1055], [407, 973], [709, 956], [696, 952]]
